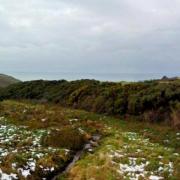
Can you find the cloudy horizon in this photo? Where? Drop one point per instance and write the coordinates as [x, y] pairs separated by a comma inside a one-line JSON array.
[[117, 36]]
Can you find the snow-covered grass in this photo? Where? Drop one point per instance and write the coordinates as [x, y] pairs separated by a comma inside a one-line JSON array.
[[129, 155], [139, 158], [21, 152], [37, 141], [32, 139]]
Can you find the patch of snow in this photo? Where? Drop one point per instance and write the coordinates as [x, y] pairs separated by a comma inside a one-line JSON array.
[[73, 120], [5, 176], [43, 120], [13, 165], [81, 131], [52, 169], [166, 140], [155, 177], [176, 154], [32, 165], [25, 172]]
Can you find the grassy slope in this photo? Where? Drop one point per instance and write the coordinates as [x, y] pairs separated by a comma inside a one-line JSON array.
[[7, 80], [127, 148]]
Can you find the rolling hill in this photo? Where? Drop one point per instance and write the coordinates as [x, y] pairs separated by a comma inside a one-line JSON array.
[[6, 80]]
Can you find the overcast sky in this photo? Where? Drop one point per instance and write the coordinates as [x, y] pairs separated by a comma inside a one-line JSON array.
[[112, 36]]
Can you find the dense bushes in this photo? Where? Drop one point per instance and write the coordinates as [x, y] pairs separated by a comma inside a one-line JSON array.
[[153, 99]]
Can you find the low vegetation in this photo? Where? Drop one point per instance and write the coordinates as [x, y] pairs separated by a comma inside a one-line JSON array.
[[39, 140]]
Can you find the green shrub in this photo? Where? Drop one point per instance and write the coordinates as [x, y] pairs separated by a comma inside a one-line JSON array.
[[154, 99]]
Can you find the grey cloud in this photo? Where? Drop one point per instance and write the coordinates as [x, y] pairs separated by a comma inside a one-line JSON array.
[[90, 36]]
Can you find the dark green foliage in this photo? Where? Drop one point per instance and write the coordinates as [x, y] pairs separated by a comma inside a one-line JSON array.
[[151, 98]]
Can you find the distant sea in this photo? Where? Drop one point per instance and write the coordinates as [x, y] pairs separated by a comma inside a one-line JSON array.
[[26, 76]]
